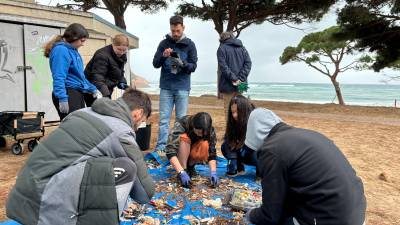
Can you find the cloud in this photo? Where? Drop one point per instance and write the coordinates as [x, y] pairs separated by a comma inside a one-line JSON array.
[[265, 43]]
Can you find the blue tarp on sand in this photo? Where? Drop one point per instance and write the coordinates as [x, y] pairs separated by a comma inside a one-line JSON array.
[[194, 208]]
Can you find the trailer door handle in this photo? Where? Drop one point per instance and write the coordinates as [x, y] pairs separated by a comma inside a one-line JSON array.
[[21, 68]]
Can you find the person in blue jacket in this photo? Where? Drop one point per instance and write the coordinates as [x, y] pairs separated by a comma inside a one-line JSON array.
[[177, 57], [234, 64], [69, 82]]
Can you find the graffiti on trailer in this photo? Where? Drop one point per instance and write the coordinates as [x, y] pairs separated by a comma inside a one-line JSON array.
[[4, 73]]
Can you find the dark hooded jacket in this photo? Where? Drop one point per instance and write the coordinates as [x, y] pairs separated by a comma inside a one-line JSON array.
[[234, 63], [187, 52], [106, 70], [69, 179], [304, 175]]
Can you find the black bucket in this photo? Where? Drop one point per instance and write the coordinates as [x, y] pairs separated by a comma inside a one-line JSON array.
[[143, 136]]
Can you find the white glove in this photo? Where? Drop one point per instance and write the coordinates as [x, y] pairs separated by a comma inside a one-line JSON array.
[[97, 95], [63, 107], [236, 83]]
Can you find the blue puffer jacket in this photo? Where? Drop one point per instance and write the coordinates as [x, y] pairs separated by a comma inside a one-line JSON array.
[[66, 66], [234, 63], [188, 54]]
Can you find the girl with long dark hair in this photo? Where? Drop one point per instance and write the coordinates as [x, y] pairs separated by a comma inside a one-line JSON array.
[[69, 83], [233, 147], [190, 142]]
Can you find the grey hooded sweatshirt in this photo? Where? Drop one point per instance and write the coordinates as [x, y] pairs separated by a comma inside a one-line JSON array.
[[69, 179], [304, 176], [260, 123]]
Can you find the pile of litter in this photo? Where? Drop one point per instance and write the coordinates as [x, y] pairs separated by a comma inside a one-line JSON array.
[[201, 204]]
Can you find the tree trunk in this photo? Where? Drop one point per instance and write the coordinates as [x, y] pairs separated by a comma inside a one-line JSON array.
[[119, 20], [338, 91]]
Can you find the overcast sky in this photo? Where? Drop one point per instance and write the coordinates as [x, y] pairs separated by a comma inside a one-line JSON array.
[[265, 43]]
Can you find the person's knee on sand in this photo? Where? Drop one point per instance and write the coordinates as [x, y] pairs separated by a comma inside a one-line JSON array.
[[189, 156]]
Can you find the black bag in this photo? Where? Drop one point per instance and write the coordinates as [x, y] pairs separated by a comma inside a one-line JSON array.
[[143, 136]]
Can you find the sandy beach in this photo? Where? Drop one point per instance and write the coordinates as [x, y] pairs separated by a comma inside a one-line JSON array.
[[368, 136]]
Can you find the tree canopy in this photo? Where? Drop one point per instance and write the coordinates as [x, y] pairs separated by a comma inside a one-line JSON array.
[[236, 15], [117, 7], [322, 52], [375, 26]]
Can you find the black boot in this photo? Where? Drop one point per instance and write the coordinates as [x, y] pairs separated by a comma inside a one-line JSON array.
[[231, 168], [240, 167]]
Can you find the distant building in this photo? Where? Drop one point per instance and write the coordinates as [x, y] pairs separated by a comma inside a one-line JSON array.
[[25, 78], [139, 81]]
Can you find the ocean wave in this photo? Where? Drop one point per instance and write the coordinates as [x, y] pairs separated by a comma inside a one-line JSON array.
[[282, 85], [204, 85], [350, 102]]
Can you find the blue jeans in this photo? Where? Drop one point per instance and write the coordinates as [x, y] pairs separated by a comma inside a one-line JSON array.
[[169, 98]]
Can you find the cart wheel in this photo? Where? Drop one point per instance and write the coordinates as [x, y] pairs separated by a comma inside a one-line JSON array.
[[32, 144], [17, 148], [2, 142]]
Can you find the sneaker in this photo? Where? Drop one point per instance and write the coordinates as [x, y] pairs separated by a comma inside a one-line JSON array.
[[191, 171], [232, 173], [231, 168], [235, 173], [240, 168]]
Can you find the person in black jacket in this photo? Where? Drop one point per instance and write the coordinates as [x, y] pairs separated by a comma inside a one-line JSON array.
[[106, 69], [306, 179], [234, 63]]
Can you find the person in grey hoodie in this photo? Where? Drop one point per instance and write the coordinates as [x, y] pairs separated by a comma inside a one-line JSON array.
[[305, 178], [234, 64], [84, 171]]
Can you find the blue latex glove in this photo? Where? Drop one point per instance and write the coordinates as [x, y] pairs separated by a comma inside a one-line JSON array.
[[214, 179], [185, 179], [63, 107], [122, 86]]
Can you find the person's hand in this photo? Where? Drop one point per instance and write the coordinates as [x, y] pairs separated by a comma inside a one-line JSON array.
[[63, 107], [185, 179], [97, 94], [214, 180], [246, 218], [236, 83], [167, 52], [122, 85]]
